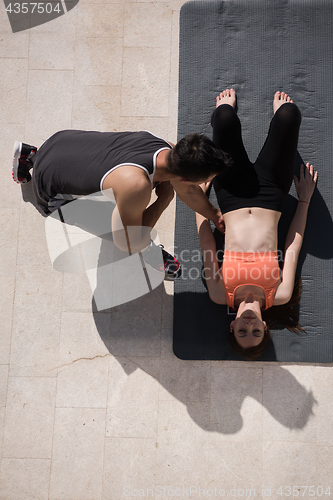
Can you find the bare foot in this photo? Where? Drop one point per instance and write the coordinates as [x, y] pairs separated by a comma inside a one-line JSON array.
[[279, 99], [226, 97]]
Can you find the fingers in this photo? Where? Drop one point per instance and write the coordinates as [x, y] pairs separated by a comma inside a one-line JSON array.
[[311, 172], [301, 172], [308, 171]]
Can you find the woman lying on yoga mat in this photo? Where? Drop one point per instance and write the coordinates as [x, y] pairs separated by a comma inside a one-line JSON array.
[[251, 198]]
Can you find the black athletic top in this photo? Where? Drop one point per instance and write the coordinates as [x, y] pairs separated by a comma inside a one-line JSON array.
[[76, 162]]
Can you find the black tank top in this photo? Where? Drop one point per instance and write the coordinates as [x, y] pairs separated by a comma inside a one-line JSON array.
[[76, 162]]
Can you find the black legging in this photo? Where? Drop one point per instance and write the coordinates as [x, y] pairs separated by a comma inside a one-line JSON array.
[[266, 182]]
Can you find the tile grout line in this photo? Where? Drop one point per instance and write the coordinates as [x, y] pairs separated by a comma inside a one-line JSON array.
[[16, 270], [57, 379], [63, 274], [122, 64], [262, 437], [105, 431], [74, 64]]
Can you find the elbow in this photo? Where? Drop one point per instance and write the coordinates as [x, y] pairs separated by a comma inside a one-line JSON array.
[[287, 297], [215, 297], [283, 297]]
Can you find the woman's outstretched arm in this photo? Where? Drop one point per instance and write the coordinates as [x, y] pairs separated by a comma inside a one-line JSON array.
[[305, 187], [212, 272]]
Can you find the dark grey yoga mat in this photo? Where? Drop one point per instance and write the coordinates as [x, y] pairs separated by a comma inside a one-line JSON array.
[[258, 47]]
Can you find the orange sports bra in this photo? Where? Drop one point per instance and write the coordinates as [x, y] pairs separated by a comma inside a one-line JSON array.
[[250, 268]]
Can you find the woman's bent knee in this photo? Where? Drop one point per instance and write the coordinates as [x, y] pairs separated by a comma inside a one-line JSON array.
[[289, 112], [224, 116]]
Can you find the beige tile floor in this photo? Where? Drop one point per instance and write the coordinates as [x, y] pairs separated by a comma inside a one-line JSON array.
[[94, 405]]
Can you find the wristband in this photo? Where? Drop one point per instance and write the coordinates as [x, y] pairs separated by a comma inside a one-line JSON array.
[[302, 201]]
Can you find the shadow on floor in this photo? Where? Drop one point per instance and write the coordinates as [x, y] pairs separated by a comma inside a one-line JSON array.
[[137, 333], [136, 328]]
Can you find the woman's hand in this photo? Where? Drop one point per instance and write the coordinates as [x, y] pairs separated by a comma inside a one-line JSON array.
[[219, 222], [218, 219], [306, 183]]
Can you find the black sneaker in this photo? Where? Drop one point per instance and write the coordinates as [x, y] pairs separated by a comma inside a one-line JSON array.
[[22, 163], [172, 267], [169, 265]]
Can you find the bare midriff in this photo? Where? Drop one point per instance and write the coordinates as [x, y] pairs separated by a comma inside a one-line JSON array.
[[251, 230]]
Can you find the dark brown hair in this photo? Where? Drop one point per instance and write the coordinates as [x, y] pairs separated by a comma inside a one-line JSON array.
[[251, 353], [286, 315], [195, 157]]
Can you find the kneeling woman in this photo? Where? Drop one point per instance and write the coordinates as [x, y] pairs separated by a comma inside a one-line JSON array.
[[251, 197]]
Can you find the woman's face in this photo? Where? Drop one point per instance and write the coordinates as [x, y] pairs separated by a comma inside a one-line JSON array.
[[249, 329]]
